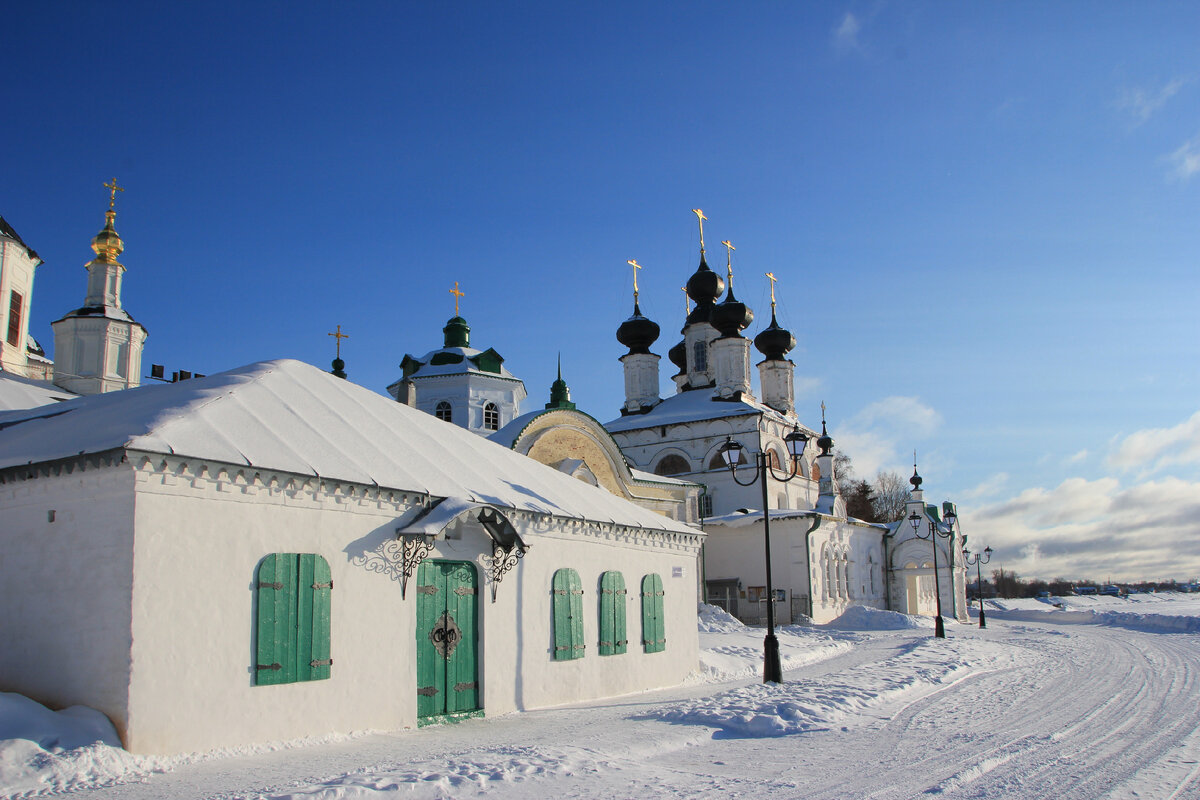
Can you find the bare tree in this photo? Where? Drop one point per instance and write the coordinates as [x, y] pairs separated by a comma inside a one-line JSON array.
[[843, 471], [891, 494]]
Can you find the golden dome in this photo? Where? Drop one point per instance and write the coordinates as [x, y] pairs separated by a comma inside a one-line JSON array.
[[107, 243]]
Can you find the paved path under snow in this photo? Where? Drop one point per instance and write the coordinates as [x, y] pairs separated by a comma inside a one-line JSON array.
[[1038, 711]]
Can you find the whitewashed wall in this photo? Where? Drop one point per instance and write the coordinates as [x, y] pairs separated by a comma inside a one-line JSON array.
[[172, 618], [65, 588], [736, 550]]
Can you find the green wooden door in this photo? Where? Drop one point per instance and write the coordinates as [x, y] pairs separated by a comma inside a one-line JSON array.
[[447, 640]]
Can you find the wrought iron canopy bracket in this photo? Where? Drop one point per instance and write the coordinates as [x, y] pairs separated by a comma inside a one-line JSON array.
[[414, 548], [503, 560]]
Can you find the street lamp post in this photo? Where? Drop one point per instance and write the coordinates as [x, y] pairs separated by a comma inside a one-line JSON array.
[[914, 519], [731, 452], [977, 559]]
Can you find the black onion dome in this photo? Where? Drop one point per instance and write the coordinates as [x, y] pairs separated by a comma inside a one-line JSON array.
[[678, 356], [916, 480], [704, 287], [638, 332], [826, 441], [774, 342], [732, 316]]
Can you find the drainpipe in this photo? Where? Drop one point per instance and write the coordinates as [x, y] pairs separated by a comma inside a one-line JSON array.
[[808, 560], [887, 573]]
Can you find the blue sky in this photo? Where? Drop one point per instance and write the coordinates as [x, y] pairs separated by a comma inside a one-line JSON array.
[[983, 216]]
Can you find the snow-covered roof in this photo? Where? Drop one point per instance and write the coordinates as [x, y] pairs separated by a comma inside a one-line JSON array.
[[292, 417], [691, 406], [429, 369], [738, 519], [18, 392]]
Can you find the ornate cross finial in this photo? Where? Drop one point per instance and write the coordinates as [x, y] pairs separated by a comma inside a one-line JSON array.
[[822, 412], [112, 200], [700, 218], [337, 337], [914, 460], [457, 294], [636, 266], [729, 248], [772, 278], [687, 306]]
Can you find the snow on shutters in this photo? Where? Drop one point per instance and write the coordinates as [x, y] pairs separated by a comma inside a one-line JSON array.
[[568, 615], [612, 614], [292, 626], [654, 638]]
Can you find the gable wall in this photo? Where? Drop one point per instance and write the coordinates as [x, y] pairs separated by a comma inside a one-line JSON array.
[[65, 588]]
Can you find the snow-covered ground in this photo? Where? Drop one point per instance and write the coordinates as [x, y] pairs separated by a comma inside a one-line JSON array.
[[1096, 699]]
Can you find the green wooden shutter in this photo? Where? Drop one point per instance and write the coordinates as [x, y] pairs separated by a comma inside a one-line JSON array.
[[654, 638], [292, 625], [276, 587], [612, 614], [568, 615], [320, 665]]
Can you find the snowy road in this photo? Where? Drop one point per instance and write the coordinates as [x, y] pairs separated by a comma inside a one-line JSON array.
[[1021, 710]]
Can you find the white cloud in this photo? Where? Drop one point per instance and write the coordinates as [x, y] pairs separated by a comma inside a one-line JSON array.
[[989, 487], [1185, 162], [806, 386], [1075, 459], [1154, 449], [873, 437], [1095, 529], [845, 35], [1141, 103]]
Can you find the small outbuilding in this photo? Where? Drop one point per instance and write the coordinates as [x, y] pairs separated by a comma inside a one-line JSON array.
[[273, 552]]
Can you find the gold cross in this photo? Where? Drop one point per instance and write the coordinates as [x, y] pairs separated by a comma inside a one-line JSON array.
[[822, 411], [700, 218], [772, 277], [338, 336], [457, 294], [687, 306], [729, 248], [112, 200], [636, 266]]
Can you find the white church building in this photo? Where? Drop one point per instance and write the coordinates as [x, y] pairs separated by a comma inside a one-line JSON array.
[[250, 556]]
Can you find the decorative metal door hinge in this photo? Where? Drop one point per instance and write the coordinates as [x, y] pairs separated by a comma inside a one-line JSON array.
[[272, 667], [264, 585], [323, 585], [462, 687], [427, 589], [462, 591], [328, 662], [427, 691]]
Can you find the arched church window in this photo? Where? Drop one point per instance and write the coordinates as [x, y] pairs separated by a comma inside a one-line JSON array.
[[773, 459], [442, 412], [672, 465], [491, 417], [699, 356]]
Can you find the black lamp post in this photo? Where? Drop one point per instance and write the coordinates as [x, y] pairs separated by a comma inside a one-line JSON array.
[[977, 559], [731, 452], [914, 519]]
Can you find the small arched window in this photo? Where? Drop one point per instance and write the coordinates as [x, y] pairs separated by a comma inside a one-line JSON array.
[[443, 413], [491, 417], [700, 356], [773, 459], [672, 465]]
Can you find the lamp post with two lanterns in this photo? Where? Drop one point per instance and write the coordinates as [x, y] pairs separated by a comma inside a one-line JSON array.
[[731, 452], [915, 519], [977, 559]]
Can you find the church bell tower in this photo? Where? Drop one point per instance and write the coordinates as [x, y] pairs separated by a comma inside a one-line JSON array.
[[98, 347]]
